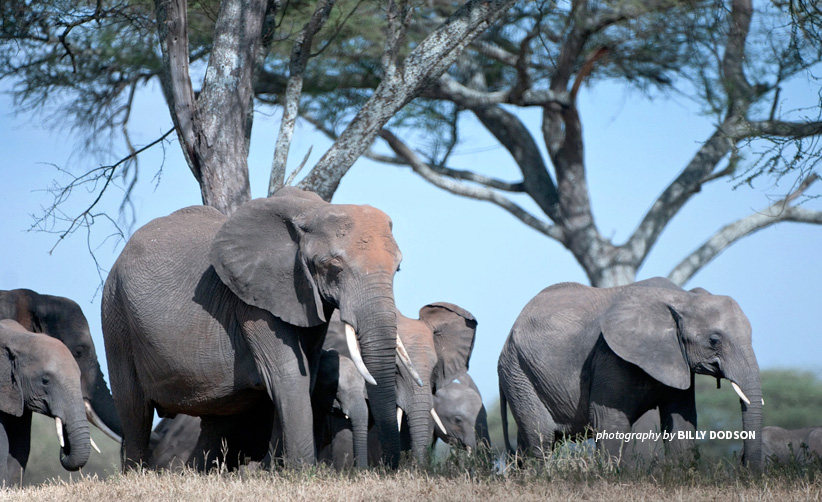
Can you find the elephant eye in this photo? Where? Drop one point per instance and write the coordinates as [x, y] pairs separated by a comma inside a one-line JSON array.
[[715, 340], [46, 379]]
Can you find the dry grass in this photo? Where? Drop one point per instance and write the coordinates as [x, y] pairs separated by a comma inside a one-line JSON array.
[[569, 474], [404, 485]]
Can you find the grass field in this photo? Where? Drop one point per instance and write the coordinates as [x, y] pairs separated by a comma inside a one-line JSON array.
[[565, 476]]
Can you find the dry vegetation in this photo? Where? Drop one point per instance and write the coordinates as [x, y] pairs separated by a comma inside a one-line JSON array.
[[459, 478]]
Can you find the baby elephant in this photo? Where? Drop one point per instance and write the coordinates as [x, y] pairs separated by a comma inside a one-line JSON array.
[[38, 374], [460, 409], [784, 445]]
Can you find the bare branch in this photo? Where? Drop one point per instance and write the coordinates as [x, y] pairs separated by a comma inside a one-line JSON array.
[[299, 57], [780, 211], [424, 170], [423, 66]]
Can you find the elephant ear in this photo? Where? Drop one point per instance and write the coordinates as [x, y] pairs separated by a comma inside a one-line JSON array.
[[641, 329], [11, 393], [257, 254], [454, 329]]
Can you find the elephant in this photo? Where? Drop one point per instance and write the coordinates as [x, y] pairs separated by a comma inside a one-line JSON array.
[[38, 374], [786, 445], [211, 315], [62, 318], [579, 357], [436, 350], [341, 412], [460, 409]]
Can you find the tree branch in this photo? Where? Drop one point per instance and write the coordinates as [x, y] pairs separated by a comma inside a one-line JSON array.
[[299, 58], [423, 66], [464, 190], [778, 212]]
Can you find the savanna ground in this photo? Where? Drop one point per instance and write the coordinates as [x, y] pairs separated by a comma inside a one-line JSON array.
[[794, 399], [572, 473]]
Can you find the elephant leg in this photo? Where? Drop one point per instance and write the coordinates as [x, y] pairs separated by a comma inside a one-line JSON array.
[[136, 414], [342, 443], [614, 424], [536, 428], [678, 414], [286, 373], [15, 445]]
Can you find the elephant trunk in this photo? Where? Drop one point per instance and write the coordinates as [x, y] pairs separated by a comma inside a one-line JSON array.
[[100, 410], [745, 381], [75, 452], [420, 422], [359, 428], [372, 312], [752, 421], [483, 437]]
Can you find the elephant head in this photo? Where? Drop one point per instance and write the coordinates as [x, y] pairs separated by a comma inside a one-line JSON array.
[[671, 334], [330, 256], [62, 318], [439, 345], [38, 374], [459, 406]]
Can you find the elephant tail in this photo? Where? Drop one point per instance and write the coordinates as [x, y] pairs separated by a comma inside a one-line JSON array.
[[503, 409]]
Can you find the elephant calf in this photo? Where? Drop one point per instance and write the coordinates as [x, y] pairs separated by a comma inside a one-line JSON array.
[[787, 445], [460, 409], [38, 374]]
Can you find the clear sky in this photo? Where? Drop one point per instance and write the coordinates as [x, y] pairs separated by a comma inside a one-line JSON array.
[[457, 250]]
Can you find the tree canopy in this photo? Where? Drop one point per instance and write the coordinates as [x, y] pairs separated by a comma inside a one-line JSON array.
[[415, 73]]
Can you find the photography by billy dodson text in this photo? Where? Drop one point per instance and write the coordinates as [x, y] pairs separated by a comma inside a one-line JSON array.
[[667, 436]]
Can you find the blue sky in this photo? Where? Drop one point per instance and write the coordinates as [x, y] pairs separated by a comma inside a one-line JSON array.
[[457, 250]]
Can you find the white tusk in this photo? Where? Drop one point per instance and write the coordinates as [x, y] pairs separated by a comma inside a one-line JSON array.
[[399, 418], [406, 361], [438, 422], [94, 445], [763, 401], [59, 424], [97, 422], [741, 394], [354, 350]]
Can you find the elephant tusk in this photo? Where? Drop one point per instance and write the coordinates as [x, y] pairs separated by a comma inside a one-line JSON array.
[[59, 424], [94, 445], [763, 401], [399, 418], [438, 422], [406, 361], [741, 394], [97, 422], [354, 350]]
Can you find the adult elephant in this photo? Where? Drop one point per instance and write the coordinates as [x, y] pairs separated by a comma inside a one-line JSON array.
[[202, 313], [459, 407], [38, 374], [786, 445], [62, 318], [579, 356], [437, 348]]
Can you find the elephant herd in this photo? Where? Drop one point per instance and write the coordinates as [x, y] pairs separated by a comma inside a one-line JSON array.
[[272, 335]]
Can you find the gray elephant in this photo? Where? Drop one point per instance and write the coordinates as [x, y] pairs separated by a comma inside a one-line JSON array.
[[38, 374], [341, 412], [62, 318], [436, 350], [580, 357], [460, 409], [786, 445], [209, 315]]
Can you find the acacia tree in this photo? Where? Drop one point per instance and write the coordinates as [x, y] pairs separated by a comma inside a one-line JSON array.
[[435, 63], [712, 51]]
